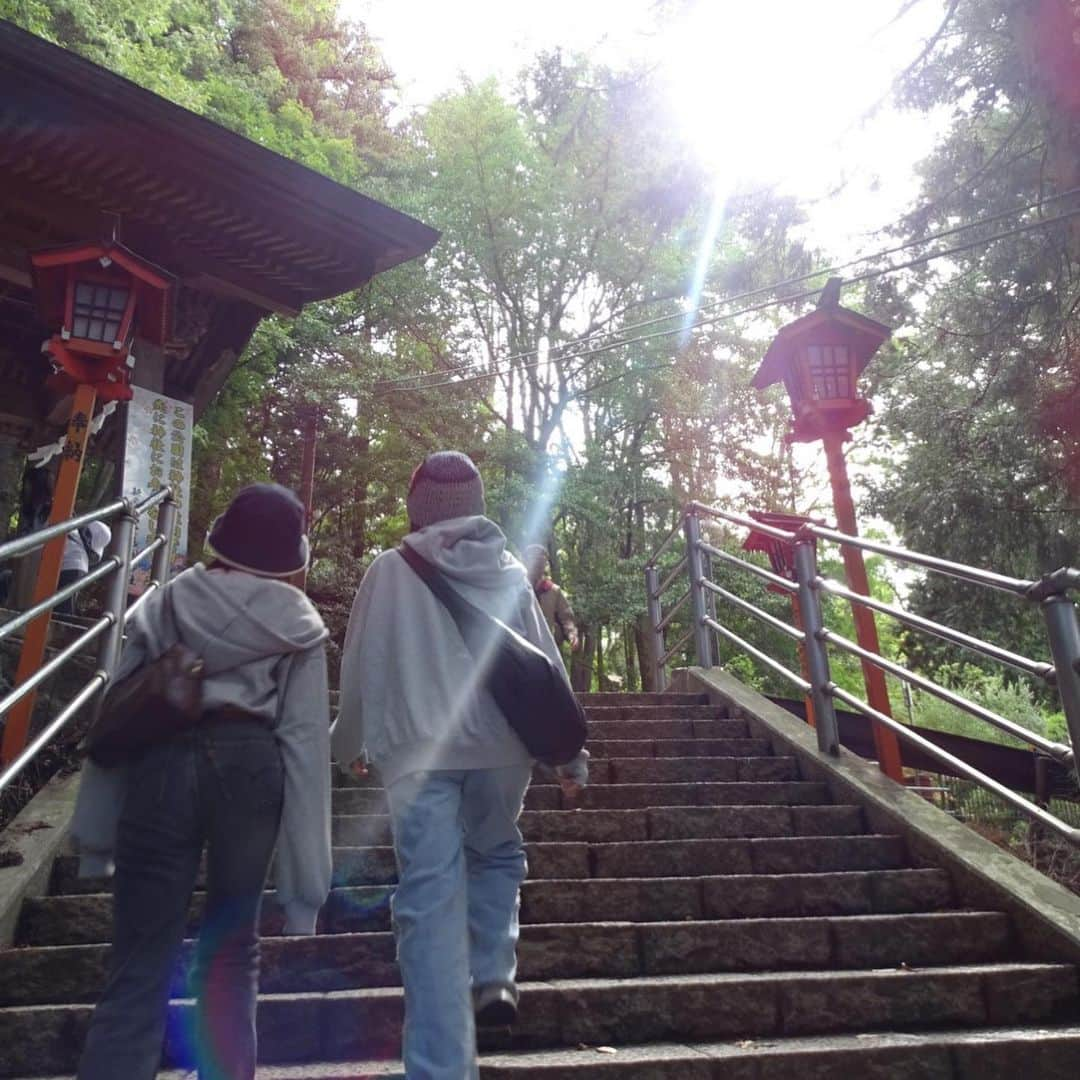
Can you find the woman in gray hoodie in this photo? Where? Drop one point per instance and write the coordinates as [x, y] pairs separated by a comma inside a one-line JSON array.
[[254, 774]]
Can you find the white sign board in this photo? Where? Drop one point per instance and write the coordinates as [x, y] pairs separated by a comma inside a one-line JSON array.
[[158, 452]]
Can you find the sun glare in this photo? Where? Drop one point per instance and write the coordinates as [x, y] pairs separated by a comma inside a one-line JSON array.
[[764, 91]]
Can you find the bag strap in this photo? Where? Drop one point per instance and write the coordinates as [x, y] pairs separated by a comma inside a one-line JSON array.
[[473, 622], [431, 577]]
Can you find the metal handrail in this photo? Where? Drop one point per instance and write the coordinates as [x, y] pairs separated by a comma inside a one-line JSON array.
[[1058, 751], [1003, 582], [751, 609], [755, 652], [97, 683], [961, 767], [1062, 623], [664, 544], [928, 562], [109, 627], [758, 571], [676, 570], [103, 569], [1040, 669], [676, 647], [741, 519], [11, 699], [23, 545], [674, 610]]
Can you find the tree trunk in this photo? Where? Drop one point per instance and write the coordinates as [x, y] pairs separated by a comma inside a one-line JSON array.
[[629, 651], [600, 658], [581, 662], [643, 638], [359, 540]]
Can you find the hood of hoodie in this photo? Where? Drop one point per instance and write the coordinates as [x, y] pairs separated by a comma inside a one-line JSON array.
[[471, 550], [232, 618]]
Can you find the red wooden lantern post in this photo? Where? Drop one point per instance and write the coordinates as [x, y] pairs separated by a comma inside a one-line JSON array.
[[97, 294], [819, 359], [782, 560]]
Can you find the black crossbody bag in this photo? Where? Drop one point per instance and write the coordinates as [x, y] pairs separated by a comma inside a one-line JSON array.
[[528, 688]]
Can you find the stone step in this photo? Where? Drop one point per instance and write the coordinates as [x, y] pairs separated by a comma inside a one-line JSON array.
[[588, 699], [678, 748], [625, 714], [653, 770], [363, 1024], [656, 823], [641, 858], [326, 963], [87, 919], [668, 729], [1043, 1053], [372, 800]]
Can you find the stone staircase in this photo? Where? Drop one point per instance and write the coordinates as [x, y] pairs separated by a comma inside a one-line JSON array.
[[703, 913]]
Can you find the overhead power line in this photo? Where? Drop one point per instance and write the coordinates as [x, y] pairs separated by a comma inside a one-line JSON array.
[[712, 320], [559, 352]]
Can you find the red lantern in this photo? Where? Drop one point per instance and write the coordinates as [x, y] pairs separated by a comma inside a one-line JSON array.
[[819, 359], [100, 294], [781, 553]]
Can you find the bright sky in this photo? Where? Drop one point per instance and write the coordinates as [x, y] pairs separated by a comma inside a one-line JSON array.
[[766, 90]]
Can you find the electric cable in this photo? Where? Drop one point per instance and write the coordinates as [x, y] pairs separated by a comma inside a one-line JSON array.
[[392, 386], [773, 287]]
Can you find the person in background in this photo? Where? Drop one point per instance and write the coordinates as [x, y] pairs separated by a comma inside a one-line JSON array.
[[254, 774], [454, 770], [553, 603], [83, 548]]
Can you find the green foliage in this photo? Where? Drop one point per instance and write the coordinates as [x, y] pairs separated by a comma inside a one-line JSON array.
[[1012, 700], [980, 403], [290, 75]]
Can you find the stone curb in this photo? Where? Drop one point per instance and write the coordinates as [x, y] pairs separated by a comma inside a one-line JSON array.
[[35, 838]]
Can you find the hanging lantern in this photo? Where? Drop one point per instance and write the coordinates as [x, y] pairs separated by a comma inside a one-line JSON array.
[[819, 359], [100, 295]]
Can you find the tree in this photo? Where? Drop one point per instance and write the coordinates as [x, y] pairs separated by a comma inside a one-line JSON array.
[[981, 402]]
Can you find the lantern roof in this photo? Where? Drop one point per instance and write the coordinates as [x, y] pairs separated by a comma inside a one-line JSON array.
[[828, 324], [759, 541], [151, 283]]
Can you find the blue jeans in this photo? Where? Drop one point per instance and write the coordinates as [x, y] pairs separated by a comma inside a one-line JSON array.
[[461, 863], [219, 787]]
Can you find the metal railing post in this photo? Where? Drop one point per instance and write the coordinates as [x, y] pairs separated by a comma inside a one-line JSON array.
[[166, 522], [710, 606], [696, 570], [817, 655], [1063, 629], [120, 547], [656, 634]]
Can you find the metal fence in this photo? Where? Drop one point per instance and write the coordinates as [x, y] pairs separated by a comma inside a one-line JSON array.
[[107, 628], [702, 599]]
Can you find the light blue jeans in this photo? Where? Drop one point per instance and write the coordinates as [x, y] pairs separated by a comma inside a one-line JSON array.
[[461, 863]]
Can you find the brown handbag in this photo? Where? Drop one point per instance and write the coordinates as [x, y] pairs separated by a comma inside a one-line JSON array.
[[153, 704]]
